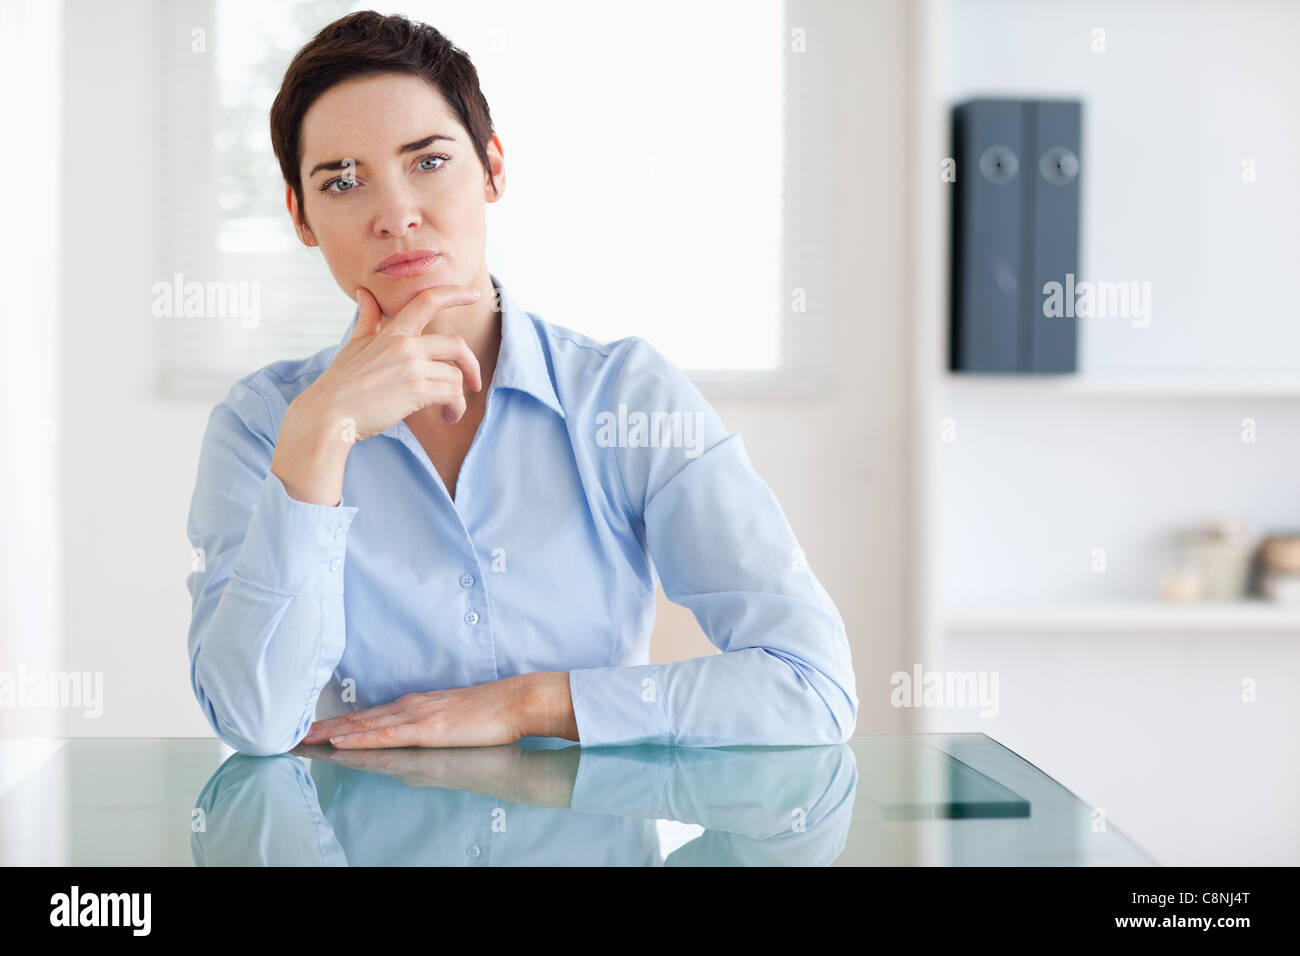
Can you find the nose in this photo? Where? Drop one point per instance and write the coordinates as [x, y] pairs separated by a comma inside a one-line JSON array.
[[399, 210]]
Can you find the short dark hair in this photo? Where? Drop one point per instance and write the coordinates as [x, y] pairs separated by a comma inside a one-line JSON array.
[[367, 43]]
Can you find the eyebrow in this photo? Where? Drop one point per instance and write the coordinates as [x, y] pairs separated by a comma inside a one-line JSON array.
[[419, 144]]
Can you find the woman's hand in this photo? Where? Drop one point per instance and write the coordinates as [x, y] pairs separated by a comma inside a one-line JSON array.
[[484, 715], [378, 378], [383, 375]]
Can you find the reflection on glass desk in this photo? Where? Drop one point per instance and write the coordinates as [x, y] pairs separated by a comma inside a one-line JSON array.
[[881, 799]]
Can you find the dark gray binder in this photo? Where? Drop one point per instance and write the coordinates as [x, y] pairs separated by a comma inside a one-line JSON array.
[[1015, 229]]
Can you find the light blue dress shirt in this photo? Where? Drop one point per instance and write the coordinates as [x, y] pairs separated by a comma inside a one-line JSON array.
[[598, 470]]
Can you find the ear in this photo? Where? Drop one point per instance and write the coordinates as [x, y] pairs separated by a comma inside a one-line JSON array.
[[497, 163], [291, 203]]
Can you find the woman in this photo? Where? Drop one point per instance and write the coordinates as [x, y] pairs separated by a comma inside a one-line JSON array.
[[501, 494]]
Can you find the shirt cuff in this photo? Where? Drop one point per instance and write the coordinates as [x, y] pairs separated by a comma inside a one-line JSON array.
[[616, 706], [293, 546]]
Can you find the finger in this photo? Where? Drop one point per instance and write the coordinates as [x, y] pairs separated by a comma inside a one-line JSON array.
[[407, 715], [321, 730], [452, 348], [407, 734], [438, 384], [451, 397], [356, 719], [417, 313], [447, 390], [320, 735], [368, 314]]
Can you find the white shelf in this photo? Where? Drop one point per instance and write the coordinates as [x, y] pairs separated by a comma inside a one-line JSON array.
[[1109, 386], [1128, 616]]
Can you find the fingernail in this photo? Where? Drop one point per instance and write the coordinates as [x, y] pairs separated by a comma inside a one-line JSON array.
[[477, 293]]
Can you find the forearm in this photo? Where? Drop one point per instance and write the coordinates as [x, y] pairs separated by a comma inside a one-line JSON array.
[[257, 681]]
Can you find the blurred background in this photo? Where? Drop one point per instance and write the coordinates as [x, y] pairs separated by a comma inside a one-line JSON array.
[[1115, 546]]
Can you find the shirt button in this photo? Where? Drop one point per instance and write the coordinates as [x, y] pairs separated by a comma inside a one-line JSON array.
[[467, 580], [335, 563], [471, 618], [472, 851]]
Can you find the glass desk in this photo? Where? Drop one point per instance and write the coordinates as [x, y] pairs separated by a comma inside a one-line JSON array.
[[882, 799]]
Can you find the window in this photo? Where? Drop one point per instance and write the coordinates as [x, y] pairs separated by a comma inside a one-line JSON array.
[[652, 204]]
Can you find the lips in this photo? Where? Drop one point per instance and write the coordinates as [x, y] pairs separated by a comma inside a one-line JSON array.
[[408, 263]]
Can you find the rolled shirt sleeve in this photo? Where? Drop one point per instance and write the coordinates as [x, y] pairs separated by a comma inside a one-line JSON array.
[[267, 628], [723, 548]]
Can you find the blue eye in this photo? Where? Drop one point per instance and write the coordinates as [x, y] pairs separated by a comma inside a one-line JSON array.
[[349, 182], [327, 186]]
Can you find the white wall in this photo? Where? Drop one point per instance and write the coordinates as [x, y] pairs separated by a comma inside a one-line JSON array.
[[31, 59], [129, 457], [31, 424]]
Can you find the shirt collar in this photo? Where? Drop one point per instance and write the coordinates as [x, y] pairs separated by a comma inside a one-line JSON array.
[[521, 363]]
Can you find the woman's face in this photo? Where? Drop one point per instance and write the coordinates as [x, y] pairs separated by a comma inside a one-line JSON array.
[[396, 190]]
